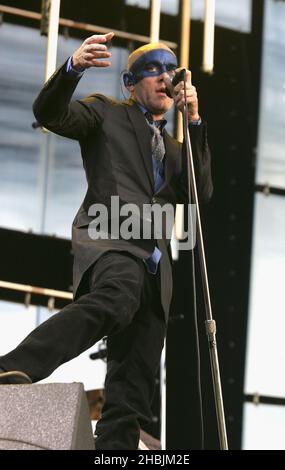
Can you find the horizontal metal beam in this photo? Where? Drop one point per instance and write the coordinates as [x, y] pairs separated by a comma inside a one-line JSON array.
[[35, 265], [36, 290], [267, 190], [83, 26], [257, 399]]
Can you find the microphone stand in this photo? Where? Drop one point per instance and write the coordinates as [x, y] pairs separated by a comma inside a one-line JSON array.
[[209, 323]]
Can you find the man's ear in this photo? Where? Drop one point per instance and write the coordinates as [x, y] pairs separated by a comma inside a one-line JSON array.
[[131, 88], [129, 81]]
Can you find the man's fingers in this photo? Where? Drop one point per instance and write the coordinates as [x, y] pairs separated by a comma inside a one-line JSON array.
[[95, 47], [101, 63], [178, 69], [181, 99], [189, 76], [97, 55], [97, 38], [180, 87], [109, 36]]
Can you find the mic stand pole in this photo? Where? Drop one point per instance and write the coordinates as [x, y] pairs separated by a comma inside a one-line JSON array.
[[209, 323]]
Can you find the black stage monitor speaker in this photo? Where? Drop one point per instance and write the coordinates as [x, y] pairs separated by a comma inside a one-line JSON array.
[[45, 416]]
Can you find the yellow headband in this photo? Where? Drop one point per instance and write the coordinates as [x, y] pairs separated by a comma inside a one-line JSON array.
[[144, 49]]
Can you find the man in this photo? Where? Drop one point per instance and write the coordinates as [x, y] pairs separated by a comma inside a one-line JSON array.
[[122, 286]]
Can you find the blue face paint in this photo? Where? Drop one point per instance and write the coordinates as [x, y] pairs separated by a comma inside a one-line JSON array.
[[153, 64]]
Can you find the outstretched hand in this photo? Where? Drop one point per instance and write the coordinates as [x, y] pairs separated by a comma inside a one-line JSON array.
[[91, 51]]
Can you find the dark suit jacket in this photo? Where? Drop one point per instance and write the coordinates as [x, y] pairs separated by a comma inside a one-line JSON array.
[[115, 144]]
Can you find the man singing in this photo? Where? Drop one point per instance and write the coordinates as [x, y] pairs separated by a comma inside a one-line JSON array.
[[122, 286]]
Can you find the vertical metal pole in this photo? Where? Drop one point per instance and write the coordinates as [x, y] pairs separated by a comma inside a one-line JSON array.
[[46, 157], [210, 323], [209, 36], [184, 53], [155, 20], [183, 62], [47, 143], [163, 399], [52, 38]]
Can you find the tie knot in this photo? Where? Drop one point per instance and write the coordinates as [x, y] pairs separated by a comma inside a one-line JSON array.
[[158, 124]]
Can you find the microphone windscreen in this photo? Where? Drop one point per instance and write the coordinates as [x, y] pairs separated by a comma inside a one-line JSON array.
[[178, 77], [170, 84]]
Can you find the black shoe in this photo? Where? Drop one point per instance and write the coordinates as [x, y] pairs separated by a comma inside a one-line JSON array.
[[14, 377]]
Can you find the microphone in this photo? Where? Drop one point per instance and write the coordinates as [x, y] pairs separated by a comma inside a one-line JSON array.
[[171, 83]]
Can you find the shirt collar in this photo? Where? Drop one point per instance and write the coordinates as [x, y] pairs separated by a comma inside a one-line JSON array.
[[160, 123]]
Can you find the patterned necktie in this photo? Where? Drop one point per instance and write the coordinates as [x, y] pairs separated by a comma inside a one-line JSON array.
[[157, 143]]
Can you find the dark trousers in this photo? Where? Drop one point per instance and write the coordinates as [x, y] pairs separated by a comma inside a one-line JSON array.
[[123, 304]]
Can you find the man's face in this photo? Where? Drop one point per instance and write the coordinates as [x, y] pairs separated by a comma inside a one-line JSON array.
[[150, 71], [150, 92]]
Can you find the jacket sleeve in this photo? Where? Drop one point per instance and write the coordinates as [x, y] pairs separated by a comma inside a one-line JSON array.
[[202, 165], [54, 111]]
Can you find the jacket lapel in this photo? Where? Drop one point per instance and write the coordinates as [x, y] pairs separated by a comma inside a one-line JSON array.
[[143, 137]]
